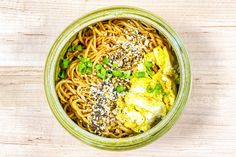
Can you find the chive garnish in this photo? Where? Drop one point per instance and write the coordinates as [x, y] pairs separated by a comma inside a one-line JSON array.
[[89, 70], [106, 60], [86, 60], [149, 89], [78, 47], [85, 65], [82, 68], [98, 66], [89, 64], [158, 86], [101, 76], [70, 49], [120, 88], [150, 72], [103, 71], [158, 89], [75, 48], [117, 73], [114, 65], [141, 74], [126, 74], [62, 74], [65, 63], [148, 64]]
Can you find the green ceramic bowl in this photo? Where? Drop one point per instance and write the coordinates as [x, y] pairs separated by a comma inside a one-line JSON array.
[[59, 49]]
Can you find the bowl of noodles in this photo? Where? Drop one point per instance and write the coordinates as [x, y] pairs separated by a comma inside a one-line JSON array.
[[117, 78]]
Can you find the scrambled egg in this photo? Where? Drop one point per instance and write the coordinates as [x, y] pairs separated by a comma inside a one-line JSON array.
[[140, 108]]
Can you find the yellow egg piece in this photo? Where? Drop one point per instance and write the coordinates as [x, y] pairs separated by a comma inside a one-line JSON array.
[[163, 59], [140, 108]]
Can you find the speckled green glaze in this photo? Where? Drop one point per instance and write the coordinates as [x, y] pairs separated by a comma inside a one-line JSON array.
[[59, 49]]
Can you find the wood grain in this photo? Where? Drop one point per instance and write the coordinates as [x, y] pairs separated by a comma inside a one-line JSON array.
[[27, 31]]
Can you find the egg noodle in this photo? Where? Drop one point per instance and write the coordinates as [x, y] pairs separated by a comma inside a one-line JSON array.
[[88, 86]]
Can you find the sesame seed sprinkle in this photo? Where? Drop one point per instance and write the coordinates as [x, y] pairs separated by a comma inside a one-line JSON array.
[[130, 50]]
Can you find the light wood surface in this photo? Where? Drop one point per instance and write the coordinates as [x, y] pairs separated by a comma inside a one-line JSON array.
[[27, 31]]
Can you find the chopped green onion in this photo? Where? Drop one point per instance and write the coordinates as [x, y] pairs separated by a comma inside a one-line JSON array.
[[158, 89], [101, 76], [150, 72], [103, 72], [158, 86], [65, 63], [82, 68], [148, 64], [62, 74], [89, 64], [106, 60], [69, 49], [120, 88], [126, 75], [86, 60], [78, 47], [141, 74], [73, 48], [114, 65], [117, 73], [149, 89], [98, 66], [89, 70]]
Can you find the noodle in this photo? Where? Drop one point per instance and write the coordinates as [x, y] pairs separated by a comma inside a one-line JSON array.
[[78, 93]]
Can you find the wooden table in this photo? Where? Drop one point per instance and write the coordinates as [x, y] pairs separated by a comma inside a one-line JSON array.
[[27, 31]]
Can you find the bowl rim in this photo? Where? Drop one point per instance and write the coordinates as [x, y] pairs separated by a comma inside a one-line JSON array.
[[127, 142]]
